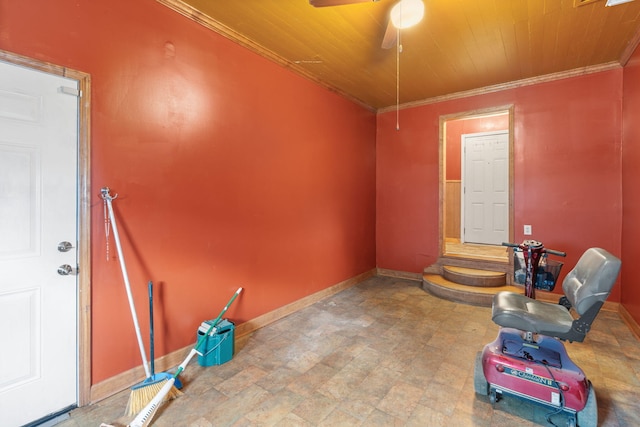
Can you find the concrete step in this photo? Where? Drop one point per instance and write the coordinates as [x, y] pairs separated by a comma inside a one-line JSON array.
[[437, 285], [474, 277]]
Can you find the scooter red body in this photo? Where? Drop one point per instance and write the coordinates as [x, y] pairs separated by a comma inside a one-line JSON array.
[[540, 371]]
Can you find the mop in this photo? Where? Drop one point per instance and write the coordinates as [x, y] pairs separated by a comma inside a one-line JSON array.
[[138, 394], [146, 415]]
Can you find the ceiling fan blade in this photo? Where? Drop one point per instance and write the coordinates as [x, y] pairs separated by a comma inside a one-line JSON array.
[[390, 36], [324, 3]]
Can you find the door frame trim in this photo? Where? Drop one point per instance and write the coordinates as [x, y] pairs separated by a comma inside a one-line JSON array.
[[84, 212], [442, 165]]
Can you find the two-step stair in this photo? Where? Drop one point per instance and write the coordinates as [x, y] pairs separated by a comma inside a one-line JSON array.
[[466, 285]]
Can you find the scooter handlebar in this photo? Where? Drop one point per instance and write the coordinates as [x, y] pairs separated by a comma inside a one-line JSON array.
[[511, 245], [549, 251], [558, 253]]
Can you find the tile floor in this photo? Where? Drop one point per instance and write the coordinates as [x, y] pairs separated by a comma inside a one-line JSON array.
[[382, 353]]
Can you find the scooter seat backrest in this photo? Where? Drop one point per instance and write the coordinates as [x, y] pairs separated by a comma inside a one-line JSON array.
[[591, 279]]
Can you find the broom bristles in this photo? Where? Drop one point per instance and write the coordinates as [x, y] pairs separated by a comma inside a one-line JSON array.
[[143, 394], [145, 416]]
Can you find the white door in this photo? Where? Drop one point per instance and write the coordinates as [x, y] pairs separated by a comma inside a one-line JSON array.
[[38, 202], [485, 188]]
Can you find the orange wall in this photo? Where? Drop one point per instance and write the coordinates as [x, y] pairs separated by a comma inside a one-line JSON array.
[[230, 170], [630, 298], [567, 170], [233, 171], [457, 128]]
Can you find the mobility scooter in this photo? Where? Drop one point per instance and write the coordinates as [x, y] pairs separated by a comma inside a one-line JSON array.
[[528, 360]]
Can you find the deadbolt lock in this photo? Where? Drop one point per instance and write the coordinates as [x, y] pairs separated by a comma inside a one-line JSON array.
[[64, 247]]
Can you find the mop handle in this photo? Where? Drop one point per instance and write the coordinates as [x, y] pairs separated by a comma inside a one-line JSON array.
[[196, 348], [108, 198], [224, 310]]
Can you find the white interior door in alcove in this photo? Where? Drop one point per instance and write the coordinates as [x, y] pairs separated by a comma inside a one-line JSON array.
[[485, 188]]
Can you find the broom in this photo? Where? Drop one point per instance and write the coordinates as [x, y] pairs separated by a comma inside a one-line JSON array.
[[146, 415], [142, 393]]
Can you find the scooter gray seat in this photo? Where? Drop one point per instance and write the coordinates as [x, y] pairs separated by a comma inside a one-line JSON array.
[[586, 287], [517, 311]]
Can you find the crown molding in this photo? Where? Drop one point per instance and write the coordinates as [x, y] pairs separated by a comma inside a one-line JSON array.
[[582, 71], [208, 22]]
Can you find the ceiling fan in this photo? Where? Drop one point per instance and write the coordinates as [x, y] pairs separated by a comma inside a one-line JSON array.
[[404, 14]]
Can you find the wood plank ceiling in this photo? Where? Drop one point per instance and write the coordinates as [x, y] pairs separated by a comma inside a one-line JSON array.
[[460, 45]]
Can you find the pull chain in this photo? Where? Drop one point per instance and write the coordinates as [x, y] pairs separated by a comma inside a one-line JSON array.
[[398, 52], [107, 228], [398, 48], [104, 192]]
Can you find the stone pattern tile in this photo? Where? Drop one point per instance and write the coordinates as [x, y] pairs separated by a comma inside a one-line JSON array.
[[382, 353]]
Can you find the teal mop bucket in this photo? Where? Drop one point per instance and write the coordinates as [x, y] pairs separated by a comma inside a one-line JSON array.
[[217, 348]]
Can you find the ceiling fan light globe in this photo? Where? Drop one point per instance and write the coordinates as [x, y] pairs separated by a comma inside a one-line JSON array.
[[407, 13]]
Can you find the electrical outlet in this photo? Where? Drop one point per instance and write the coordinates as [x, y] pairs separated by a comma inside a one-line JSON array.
[[527, 230]]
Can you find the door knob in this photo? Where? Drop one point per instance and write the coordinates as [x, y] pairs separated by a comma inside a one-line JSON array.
[[66, 270], [64, 247]]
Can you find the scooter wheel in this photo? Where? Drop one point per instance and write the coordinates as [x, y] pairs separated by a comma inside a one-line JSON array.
[[493, 396], [588, 417]]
